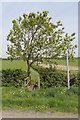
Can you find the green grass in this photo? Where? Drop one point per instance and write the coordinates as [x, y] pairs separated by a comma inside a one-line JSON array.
[[15, 64], [63, 61], [50, 99], [23, 65]]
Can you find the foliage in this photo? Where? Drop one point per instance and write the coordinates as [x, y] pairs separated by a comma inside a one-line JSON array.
[[19, 64], [48, 77], [34, 37], [13, 77], [50, 99], [52, 77]]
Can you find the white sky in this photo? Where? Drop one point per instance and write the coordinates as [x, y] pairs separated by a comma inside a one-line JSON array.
[[67, 12]]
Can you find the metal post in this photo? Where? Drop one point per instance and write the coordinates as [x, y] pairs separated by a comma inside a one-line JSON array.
[[68, 71]]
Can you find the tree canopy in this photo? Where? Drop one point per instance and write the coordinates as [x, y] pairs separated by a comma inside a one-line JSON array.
[[33, 37]]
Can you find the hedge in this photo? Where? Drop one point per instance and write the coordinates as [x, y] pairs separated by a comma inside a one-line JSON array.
[[13, 77], [49, 77], [52, 77]]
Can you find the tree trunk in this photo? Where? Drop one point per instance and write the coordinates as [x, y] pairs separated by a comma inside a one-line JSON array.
[[28, 72]]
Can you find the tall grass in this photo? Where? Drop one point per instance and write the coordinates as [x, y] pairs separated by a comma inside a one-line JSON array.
[[50, 99]]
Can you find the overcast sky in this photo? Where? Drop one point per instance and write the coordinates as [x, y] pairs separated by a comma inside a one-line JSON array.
[[67, 12]]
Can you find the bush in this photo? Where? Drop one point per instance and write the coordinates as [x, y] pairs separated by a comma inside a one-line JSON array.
[[13, 77], [50, 77]]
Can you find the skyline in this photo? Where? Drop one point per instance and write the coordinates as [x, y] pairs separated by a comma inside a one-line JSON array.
[[66, 12]]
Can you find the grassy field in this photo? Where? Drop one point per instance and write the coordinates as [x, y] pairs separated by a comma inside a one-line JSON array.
[[50, 99], [63, 61], [23, 65], [15, 64]]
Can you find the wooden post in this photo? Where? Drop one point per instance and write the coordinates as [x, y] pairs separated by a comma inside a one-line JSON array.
[[38, 82]]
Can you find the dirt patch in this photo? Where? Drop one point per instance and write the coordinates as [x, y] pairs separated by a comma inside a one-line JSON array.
[[62, 67], [31, 114]]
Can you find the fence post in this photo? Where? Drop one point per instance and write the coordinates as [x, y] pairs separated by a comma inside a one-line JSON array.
[[68, 71], [38, 82]]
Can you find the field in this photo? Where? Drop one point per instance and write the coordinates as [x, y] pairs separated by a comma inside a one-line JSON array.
[[59, 61], [50, 99], [6, 64]]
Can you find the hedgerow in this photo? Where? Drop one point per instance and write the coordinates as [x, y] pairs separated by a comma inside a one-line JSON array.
[[49, 77], [13, 77], [52, 77]]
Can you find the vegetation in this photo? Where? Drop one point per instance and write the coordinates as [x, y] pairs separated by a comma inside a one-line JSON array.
[[34, 37], [49, 77], [19, 64], [50, 99], [52, 77], [60, 61], [13, 78], [15, 64]]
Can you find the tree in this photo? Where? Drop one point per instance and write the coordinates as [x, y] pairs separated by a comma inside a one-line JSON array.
[[34, 37]]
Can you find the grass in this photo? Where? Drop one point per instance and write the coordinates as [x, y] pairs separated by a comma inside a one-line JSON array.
[[20, 64], [50, 99], [63, 61], [23, 65], [15, 64]]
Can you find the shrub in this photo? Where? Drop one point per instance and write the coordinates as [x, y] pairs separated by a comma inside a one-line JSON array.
[[13, 77], [52, 77]]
